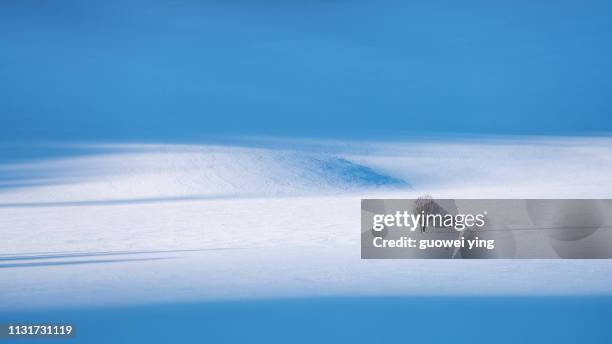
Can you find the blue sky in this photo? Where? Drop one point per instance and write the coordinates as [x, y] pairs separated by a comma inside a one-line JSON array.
[[182, 70]]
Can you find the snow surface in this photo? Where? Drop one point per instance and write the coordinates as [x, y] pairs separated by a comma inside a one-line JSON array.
[[166, 223]]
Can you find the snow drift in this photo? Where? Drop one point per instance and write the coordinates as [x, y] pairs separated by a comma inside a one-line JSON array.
[[139, 172]]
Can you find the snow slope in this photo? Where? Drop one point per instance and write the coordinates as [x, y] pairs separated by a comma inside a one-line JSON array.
[[168, 223], [151, 171]]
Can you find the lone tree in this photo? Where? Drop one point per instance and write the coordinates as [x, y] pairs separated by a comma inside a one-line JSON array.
[[427, 206]]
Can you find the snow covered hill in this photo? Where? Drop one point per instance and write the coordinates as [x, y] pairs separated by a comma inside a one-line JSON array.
[[140, 172], [168, 223]]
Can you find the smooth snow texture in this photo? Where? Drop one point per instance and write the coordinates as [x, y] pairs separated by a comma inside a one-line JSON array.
[[168, 223]]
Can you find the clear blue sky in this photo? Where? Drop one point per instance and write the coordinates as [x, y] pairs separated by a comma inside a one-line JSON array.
[[186, 69]]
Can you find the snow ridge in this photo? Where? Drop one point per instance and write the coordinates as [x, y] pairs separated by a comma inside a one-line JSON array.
[[158, 171]]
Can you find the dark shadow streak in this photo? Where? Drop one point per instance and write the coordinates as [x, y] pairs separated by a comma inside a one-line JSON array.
[[56, 255], [122, 201], [78, 262]]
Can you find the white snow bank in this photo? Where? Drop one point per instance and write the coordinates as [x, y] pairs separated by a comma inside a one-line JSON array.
[[128, 230], [173, 171]]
